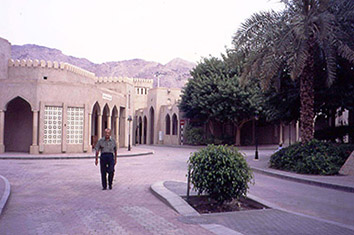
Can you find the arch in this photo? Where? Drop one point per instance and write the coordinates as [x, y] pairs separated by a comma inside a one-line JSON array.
[[96, 111], [168, 125], [140, 126], [174, 124], [21, 97], [151, 117], [145, 129], [18, 126], [106, 113]]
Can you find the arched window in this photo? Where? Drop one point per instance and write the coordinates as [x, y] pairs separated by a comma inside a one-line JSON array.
[[168, 125], [174, 124]]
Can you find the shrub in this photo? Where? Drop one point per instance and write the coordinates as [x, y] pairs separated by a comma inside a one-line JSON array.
[[221, 172], [314, 157], [194, 135]]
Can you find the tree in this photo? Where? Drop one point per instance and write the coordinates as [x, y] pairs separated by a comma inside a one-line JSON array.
[[294, 39], [215, 94]]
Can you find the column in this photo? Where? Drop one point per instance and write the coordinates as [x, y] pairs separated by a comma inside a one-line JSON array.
[[297, 131], [116, 130], [2, 129], [281, 133], [99, 126], [109, 122], [89, 122], [34, 148]]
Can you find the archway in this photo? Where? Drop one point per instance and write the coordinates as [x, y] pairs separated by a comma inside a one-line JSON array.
[[168, 125], [145, 129], [140, 129], [152, 114], [105, 118], [18, 126], [174, 124], [96, 111]]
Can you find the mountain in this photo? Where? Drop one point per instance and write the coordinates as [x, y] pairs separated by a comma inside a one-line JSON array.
[[173, 74]]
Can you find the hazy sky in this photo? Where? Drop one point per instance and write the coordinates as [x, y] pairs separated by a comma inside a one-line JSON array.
[[111, 30]]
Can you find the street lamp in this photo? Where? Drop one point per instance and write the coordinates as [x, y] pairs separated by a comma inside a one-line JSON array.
[[129, 121], [256, 135]]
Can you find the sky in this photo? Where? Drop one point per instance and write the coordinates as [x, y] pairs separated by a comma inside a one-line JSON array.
[[115, 30]]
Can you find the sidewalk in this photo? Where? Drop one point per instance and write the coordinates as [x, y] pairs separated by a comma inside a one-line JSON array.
[[338, 182]]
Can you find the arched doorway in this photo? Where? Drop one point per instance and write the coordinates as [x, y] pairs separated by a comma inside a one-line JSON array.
[[140, 129], [96, 112], [18, 126], [168, 125], [145, 129], [105, 118], [174, 124], [152, 114]]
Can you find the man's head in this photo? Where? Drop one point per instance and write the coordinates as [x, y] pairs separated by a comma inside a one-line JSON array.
[[107, 133]]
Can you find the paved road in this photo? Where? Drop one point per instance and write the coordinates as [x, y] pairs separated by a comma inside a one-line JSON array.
[[65, 197]]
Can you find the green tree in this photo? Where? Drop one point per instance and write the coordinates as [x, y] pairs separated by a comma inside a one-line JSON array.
[[294, 39], [215, 94]]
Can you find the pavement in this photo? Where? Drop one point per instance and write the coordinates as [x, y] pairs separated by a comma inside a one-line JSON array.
[[134, 202]]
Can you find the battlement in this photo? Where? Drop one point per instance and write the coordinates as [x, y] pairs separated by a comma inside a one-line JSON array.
[[51, 64], [114, 80]]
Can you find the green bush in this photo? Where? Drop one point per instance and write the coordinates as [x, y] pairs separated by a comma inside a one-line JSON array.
[[194, 135], [314, 157], [221, 172]]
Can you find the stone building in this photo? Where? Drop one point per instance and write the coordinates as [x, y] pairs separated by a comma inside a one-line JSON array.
[[53, 107]]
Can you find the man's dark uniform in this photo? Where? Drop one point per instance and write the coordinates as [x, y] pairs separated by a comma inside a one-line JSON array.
[[108, 148]]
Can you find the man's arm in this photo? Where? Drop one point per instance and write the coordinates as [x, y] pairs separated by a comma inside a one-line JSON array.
[[115, 156], [97, 148]]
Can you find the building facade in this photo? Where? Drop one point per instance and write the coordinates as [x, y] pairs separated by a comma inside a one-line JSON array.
[[53, 107]]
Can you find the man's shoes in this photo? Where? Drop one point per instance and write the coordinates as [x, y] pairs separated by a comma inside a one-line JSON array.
[[110, 187], [104, 188]]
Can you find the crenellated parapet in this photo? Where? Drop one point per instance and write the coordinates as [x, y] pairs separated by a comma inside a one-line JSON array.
[[51, 65], [141, 82], [114, 80]]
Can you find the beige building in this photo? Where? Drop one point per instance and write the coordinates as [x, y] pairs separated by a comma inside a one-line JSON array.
[[53, 107]]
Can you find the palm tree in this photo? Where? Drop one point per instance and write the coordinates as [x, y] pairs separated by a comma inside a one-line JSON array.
[[293, 40]]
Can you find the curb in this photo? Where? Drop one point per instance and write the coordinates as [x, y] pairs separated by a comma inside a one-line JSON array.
[[305, 181], [71, 157], [5, 195], [183, 208]]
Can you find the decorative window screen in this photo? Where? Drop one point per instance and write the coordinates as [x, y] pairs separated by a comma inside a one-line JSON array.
[[53, 117], [75, 125]]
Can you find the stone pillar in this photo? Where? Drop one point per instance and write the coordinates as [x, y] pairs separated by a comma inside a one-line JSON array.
[[116, 120], [89, 131], [99, 126], [109, 122], [281, 133], [2, 129], [297, 131], [34, 148]]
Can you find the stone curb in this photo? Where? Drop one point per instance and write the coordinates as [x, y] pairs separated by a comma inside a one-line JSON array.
[[71, 157], [302, 180], [6, 194], [183, 208], [163, 193]]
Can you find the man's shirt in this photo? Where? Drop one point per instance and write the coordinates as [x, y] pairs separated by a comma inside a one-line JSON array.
[[106, 146]]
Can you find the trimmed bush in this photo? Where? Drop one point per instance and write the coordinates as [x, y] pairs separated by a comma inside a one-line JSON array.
[[221, 172], [194, 135], [314, 157]]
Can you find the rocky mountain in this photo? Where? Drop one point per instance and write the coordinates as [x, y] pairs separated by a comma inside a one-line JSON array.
[[173, 74]]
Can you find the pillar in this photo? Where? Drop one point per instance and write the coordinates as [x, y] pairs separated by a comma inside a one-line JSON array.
[[89, 131], [34, 148], [116, 121], [281, 133], [2, 129], [99, 126], [297, 131], [109, 122]]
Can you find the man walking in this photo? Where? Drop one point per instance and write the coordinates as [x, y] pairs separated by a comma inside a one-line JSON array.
[[108, 159]]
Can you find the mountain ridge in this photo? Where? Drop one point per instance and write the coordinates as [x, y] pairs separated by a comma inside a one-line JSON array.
[[175, 73]]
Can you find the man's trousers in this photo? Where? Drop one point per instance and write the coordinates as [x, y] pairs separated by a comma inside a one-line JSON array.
[[107, 166]]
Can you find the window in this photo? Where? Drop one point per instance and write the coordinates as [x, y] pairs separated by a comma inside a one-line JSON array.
[[174, 124], [52, 124], [168, 125], [75, 125]]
